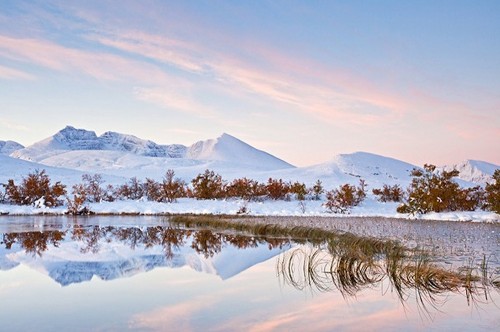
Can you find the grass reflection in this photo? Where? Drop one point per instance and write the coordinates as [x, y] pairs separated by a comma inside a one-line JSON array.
[[350, 270], [348, 264]]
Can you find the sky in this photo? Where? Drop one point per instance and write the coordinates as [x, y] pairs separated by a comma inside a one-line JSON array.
[[303, 80]]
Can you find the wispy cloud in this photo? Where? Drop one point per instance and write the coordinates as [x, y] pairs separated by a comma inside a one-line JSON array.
[[177, 315], [286, 84], [14, 74], [99, 65], [167, 50], [167, 97], [322, 92], [11, 125], [167, 91]]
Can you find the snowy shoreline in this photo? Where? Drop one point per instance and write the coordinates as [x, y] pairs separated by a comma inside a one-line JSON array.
[[231, 207]]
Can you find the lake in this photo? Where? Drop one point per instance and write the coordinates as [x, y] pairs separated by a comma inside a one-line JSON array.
[[112, 273]]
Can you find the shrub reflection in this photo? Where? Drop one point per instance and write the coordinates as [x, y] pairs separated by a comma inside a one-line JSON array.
[[205, 242]]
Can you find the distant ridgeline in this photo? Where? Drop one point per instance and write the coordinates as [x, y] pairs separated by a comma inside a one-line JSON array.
[[224, 148]]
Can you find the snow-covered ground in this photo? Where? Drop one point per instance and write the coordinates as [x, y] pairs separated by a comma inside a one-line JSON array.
[[369, 208]]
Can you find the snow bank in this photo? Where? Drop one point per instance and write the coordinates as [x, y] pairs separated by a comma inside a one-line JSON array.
[[369, 208]]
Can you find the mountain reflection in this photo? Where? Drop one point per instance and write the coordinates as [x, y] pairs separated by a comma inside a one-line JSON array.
[[81, 252]]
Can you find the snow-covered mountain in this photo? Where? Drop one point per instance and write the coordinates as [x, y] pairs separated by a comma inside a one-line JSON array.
[[229, 148], [121, 156], [84, 150], [72, 139], [475, 171], [7, 147]]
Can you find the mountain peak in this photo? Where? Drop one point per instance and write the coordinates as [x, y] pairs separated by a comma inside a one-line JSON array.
[[226, 135], [7, 147], [229, 148], [226, 148], [77, 139]]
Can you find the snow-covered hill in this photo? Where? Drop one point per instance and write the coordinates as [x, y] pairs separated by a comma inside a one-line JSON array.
[[16, 169], [376, 170], [229, 148], [7, 147], [475, 171]]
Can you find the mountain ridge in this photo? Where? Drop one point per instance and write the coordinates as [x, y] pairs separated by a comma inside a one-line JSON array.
[[73, 139], [8, 147], [225, 148], [125, 156]]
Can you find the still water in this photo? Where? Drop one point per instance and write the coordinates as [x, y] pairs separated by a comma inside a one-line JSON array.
[[144, 273]]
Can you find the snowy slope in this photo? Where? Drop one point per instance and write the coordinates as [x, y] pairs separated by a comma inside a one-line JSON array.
[[7, 147], [229, 148], [475, 171], [16, 169], [376, 170], [129, 165]]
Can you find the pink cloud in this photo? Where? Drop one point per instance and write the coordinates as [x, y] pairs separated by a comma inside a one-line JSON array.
[[14, 74], [288, 83], [176, 315], [167, 50], [101, 66], [170, 98]]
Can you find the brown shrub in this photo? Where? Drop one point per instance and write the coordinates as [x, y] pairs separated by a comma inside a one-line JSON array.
[[299, 190], [243, 188], [389, 193], [346, 196], [493, 193], [317, 190], [134, 190], [35, 187], [172, 188], [277, 189], [76, 205], [435, 191], [208, 185]]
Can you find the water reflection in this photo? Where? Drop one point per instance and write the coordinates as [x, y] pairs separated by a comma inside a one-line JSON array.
[[80, 252], [204, 241], [33, 242], [334, 267]]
